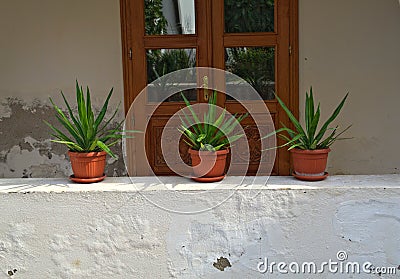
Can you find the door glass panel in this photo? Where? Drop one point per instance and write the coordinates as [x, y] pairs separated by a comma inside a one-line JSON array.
[[249, 16], [163, 17], [256, 65], [164, 61]]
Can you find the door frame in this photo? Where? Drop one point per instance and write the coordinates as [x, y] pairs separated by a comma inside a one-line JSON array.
[[133, 37]]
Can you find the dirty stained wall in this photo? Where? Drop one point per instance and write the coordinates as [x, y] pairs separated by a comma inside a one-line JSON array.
[[345, 46]]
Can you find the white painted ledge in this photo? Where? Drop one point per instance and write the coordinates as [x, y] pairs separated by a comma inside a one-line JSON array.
[[132, 184], [51, 228]]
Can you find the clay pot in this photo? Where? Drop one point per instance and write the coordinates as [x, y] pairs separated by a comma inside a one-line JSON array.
[[310, 165], [88, 165], [212, 167]]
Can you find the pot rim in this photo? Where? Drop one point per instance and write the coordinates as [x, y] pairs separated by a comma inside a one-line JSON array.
[[86, 154], [308, 151], [219, 152]]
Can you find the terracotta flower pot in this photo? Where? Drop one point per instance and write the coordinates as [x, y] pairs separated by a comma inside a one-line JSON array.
[[208, 166], [88, 165], [310, 165]]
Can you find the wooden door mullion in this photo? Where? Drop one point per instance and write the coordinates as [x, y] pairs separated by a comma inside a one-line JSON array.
[[210, 42]]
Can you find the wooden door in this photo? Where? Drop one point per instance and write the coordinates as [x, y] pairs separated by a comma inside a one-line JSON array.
[[255, 39]]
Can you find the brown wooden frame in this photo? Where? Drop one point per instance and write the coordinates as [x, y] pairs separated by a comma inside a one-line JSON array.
[[210, 42]]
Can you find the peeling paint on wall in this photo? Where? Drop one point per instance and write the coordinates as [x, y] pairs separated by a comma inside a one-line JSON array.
[[25, 146], [222, 263]]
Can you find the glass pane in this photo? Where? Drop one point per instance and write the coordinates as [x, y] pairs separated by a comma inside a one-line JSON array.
[[164, 61], [256, 65], [164, 17], [249, 16]]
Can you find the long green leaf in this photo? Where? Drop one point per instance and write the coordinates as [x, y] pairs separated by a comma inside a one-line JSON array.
[[331, 140], [81, 107], [313, 126], [74, 119], [311, 101], [113, 143], [62, 116], [69, 144], [189, 144], [71, 129], [105, 148], [194, 115], [275, 132], [101, 129], [225, 129], [60, 134], [217, 122], [291, 116], [103, 110], [330, 119], [307, 112], [234, 138], [309, 109], [289, 142], [191, 123], [297, 145], [90, 117], [190, 136]]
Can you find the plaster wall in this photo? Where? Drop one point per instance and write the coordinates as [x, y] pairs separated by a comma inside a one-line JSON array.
[[53, 229], [45, 46], [345, 46], [353, 46]]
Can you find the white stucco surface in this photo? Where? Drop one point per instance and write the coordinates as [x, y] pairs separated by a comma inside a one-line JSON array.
[[51, 228]]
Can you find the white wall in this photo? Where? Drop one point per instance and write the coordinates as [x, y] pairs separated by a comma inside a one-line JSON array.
[[353, 46], [109, 230]]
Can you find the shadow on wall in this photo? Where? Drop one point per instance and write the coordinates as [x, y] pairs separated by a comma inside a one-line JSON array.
[[25, 146]]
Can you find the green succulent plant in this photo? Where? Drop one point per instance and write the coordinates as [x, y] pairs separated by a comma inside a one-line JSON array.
[[87, 133], [213, 133], [308, 138]]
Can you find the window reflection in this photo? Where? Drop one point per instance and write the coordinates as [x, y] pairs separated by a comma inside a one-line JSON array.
[[249, 16], [256, 65], [161, 62], [164, 17]]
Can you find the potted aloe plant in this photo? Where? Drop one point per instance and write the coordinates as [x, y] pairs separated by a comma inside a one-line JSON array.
[[309, 147], [87, 137], [209, 140]]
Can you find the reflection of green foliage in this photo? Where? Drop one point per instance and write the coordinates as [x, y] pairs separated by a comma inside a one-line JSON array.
[[162, 62], [249, 16], [156, 23], [256, 66]]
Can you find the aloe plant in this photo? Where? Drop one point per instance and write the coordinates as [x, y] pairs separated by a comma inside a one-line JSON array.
[[213, 133], [309, 138], [87, 133]]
